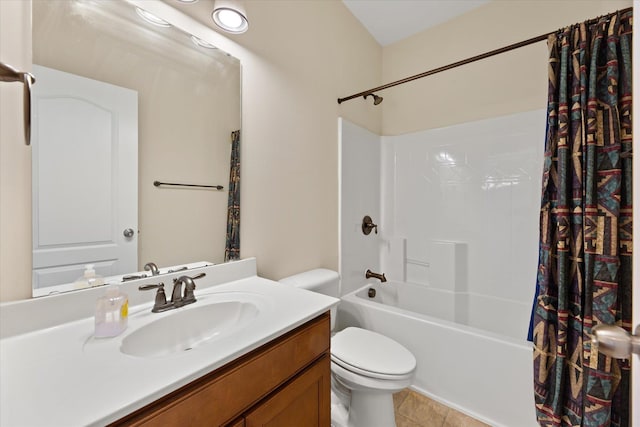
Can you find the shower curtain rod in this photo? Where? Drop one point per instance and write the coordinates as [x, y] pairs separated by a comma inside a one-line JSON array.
[[466, 61]]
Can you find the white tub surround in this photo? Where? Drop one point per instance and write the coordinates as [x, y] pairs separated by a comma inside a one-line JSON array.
[[54, 373], [359, 196], [466, 198], [458, 242]]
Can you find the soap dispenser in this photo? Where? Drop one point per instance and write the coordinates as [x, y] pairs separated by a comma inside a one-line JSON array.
[[112, 313], [89, 278]]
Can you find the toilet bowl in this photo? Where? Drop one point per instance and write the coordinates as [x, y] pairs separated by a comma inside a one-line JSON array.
[[366, 367]]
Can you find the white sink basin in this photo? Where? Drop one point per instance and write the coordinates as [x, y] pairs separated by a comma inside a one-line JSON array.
[[189, 327]]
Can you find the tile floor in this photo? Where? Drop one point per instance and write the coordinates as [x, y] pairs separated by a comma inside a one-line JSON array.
[[415, 410]]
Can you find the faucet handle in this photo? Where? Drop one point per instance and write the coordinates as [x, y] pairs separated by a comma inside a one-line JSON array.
[[160, 303], [159, 286], [133, 277], [190, 286], [368, 225]]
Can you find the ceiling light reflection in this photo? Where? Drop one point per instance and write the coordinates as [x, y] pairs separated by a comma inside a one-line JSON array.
[[151, 18]]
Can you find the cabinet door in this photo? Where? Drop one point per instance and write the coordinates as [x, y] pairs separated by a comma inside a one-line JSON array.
[[305, 401]]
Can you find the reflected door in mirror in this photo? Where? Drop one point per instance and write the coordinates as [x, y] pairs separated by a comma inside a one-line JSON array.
[[85, 177]]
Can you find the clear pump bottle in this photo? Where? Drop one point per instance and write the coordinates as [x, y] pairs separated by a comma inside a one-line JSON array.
[[89, 278], [112, 313]]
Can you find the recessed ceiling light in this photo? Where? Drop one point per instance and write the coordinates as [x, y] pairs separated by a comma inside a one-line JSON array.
[[151, 18], [187, 1], [230, 16]]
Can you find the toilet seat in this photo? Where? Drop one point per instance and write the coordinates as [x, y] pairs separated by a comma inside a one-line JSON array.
[[370, 374], [371, 354], [354, 381]]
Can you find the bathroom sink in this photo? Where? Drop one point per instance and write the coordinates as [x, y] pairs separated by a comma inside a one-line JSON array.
[[186, 328]]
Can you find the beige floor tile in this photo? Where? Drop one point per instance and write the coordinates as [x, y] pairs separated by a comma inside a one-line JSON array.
[[457, 419], [399, 397], [422, 410], [402, 421]]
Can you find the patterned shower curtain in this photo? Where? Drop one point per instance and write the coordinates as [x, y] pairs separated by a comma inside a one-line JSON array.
[[584, 273], [232, 248]]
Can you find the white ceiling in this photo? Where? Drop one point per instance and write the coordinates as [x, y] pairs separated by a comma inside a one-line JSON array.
[[391, 20]]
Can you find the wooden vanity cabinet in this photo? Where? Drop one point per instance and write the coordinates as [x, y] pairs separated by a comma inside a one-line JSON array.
[[302, 402], [283, 383]]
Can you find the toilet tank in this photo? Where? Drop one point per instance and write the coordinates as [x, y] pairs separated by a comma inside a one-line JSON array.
[[320, 280]]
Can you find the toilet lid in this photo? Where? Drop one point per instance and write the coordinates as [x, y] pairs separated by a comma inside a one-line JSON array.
[[371, 352]]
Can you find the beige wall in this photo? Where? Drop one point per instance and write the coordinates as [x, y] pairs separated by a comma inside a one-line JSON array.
[[508, 83], [290, 187], [292, 74], [15, 157]]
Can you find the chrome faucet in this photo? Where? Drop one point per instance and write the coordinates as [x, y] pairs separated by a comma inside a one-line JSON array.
[[369, 274], [152, 267]]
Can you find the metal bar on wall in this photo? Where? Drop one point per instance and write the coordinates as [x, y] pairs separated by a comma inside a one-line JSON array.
[[463, 62], [158, 184]]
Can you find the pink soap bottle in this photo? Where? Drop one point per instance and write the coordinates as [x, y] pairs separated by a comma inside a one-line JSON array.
[[112, 313]]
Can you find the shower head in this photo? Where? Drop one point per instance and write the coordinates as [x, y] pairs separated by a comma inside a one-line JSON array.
[[376, 99]]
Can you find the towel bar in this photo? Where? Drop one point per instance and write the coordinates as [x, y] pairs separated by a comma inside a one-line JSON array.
[[158, 184]]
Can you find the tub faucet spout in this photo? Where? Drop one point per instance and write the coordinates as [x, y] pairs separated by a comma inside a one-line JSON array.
[[369, 274]]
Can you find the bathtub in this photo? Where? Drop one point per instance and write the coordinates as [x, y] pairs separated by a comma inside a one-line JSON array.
[[481, 373]]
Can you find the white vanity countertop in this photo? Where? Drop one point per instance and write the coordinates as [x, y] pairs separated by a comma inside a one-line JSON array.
[[62, 376]]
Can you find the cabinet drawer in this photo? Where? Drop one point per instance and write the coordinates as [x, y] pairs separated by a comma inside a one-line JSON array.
[[304, 401], [225, 393]]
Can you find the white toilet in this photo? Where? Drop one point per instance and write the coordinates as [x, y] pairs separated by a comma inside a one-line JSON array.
[[366, 367]]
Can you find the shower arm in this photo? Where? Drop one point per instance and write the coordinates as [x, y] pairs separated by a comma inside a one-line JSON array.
[[10, 74]]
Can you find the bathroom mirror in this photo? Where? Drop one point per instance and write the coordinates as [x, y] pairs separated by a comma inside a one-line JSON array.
[[188, 103]]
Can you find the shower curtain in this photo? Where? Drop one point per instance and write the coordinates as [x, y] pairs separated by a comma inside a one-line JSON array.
[[584, 273], [232, 247]]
